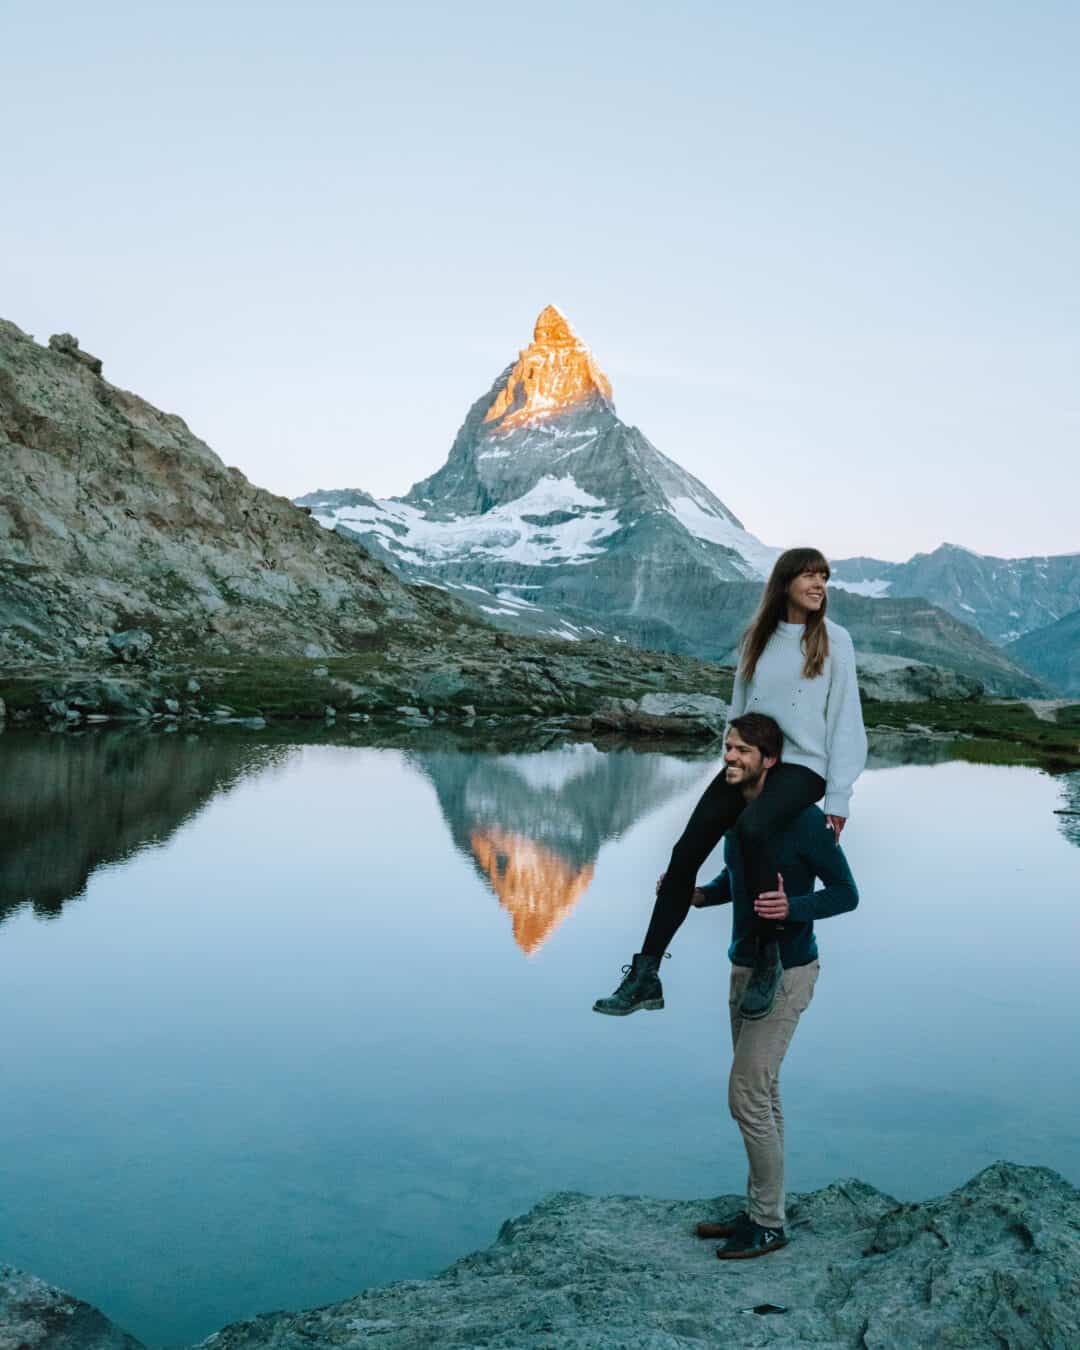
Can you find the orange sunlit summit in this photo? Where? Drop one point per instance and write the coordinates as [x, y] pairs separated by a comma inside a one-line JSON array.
[[537, 886], [556, 371]]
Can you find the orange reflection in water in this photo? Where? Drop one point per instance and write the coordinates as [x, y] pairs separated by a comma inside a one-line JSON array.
[[536, 885]]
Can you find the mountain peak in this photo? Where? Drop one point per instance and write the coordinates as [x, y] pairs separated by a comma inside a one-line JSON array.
[[555, 374], [553, 328]]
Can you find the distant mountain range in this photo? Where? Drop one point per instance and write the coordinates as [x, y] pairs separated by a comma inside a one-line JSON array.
[[552, 515], [1003, 597]]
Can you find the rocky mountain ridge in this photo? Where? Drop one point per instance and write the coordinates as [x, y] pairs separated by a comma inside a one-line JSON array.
[[1003, 597], [114, 516]]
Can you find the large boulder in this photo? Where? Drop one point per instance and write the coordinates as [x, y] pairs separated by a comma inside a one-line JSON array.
[[36, 1316], [901, 679], [692, 707], [132, 645]]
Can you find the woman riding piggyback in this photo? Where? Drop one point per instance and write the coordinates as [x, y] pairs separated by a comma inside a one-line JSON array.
[[798, 667]]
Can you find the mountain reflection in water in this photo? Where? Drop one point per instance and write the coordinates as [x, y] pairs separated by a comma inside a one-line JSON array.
[[537, 886], [533, 824], [1070, 801], [73, 804]]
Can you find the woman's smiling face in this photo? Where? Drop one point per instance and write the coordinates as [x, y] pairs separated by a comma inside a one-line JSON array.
[[807, 590]]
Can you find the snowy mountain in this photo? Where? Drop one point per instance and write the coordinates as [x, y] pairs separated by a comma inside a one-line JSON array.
[[552, 515], [543, 482], [1003, 597]]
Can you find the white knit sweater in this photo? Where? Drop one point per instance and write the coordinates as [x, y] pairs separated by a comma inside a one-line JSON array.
[[821, 718]]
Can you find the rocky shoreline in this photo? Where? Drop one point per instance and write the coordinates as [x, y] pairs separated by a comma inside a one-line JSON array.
[[995, 1262], [519, 686]]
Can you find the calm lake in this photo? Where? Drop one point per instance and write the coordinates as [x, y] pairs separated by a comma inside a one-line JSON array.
[[287, 1020]]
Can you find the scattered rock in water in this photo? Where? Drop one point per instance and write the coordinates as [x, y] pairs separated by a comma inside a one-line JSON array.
[[3, 710], [132, 645], [193, 686]]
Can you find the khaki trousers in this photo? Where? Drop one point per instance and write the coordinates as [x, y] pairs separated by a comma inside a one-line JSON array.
[[754, 1085]]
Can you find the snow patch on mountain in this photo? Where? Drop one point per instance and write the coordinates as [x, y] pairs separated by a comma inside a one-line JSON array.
[[874, 588], [755, 558], [526, 530]]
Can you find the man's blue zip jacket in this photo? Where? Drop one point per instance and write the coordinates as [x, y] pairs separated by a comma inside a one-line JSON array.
[[807, 851]]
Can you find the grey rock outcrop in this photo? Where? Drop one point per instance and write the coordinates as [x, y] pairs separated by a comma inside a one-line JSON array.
[[68, 345], [994, 1263], [134, 645], [697, 707], [899, 679], [36, 1316], [114, 516]]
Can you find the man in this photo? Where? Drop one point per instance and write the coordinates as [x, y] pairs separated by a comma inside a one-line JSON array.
[[806, 851]]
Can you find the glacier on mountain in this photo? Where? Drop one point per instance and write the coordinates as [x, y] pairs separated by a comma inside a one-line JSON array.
[[875, 588], [520, 531]]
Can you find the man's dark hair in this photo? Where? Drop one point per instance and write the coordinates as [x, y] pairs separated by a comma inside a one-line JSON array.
[[761, 732]]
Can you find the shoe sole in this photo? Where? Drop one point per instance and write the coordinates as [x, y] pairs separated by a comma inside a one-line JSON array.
[[710, 1231], [756, 1016], [749, 1256], [650, 1005]]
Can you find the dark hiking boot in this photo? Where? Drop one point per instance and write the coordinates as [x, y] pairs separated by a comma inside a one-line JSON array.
[[641, 988], [760, 992], [725, 1228], [751, 1241]]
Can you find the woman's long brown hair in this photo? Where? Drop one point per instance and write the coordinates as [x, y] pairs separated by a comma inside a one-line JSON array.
[[773, 608]]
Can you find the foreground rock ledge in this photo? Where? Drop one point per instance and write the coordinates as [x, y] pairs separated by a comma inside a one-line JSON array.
[[995, 1263]]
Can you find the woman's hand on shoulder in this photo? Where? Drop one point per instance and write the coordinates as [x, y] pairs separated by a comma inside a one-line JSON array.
[[836, 824]]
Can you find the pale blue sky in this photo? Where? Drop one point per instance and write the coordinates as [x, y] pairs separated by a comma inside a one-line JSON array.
[[826, 253]]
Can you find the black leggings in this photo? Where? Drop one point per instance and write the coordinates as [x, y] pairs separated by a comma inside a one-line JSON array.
[[789, 789]]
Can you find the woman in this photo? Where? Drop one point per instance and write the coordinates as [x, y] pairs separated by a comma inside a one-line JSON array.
[[798, 667]]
